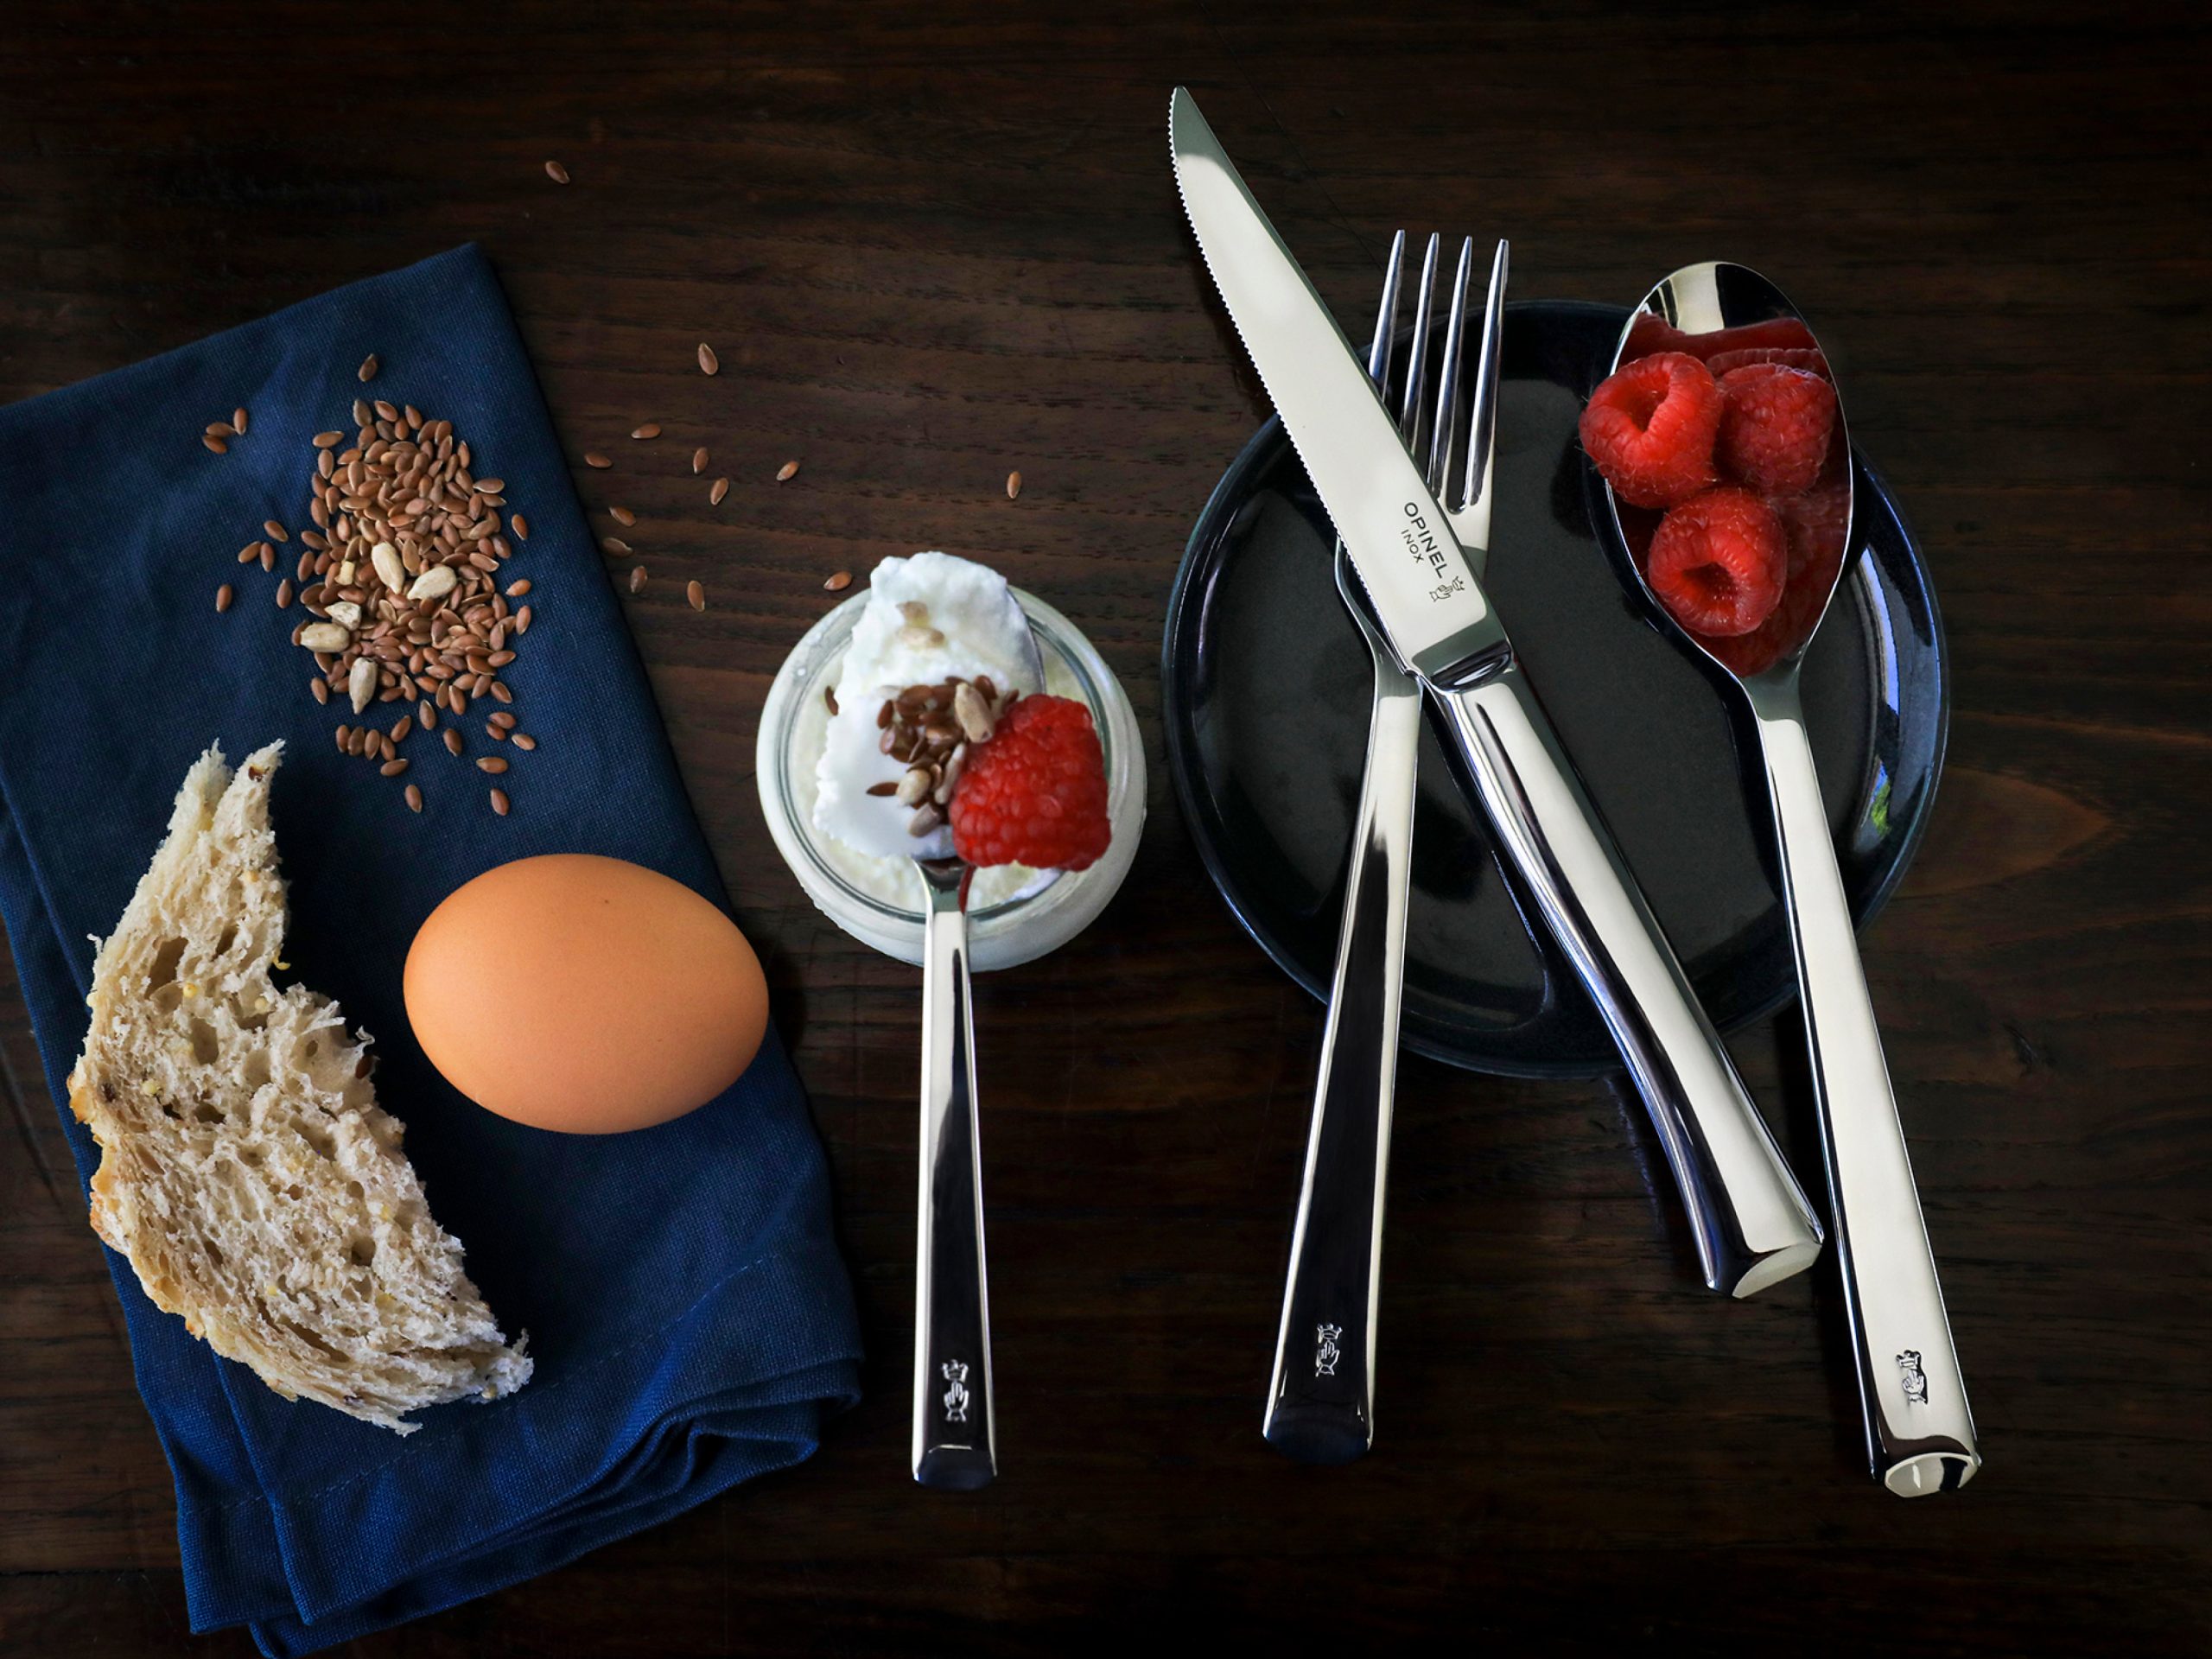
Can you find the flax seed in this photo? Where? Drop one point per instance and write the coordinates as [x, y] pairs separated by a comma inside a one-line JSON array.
[[414, 798], [593, 459], [221, 429], [520, 525], [638, 579], [838, 583], [285, 594], [698, 461], [614, 544], [1012, 486], [708, 363], [392, 768], [215, 443], [248, 553], [714, 495], [401, 726], [491, 763], [275, 532], [696, 593], [329, 439], [499, 692], [501, 804], [453, 745], [319, 688], [223, 597], [555, 172], [788, 471], [524, 741], [518, 587], [368, 369], [238, 419], [622, 516], [650, 429], [267, 555]]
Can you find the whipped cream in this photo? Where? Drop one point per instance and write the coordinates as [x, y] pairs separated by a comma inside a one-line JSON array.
[[928, 618]]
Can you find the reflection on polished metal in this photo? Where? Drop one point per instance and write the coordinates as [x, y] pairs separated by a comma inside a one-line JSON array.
[[1920, 1435], [1321, 1397], [1751, 1224], [956, 1446]]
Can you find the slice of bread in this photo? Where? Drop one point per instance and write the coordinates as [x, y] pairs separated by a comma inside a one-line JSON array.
[[246, 1169]]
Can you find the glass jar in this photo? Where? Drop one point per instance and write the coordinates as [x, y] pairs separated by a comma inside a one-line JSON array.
[[880, 907]]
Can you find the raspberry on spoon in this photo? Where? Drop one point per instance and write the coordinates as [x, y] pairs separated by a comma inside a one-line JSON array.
[[1034, 792], [1775, 427], [1649, 429], [1717, 563]]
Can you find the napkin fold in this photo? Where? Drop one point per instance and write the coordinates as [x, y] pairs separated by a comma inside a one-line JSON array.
[[690, 1318]]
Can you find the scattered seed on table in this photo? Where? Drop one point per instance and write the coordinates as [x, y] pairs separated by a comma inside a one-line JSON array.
[[698, 461], [696, 593], [838, 583], [491, 486], [714, 496], [500, 802], [276, 531], [414, 798], [345, 736], [523, 740], [708, 363], [522, 620], [320, 688], [520, 525], [238, 419], [518, 587], [638, 579], [500, 693], [426, 716], [392, 768], [368, 369], [650, 429], [555, 172], [223, 597], [285, 593], [501, 721], [622, 516], [220, 429], [215, 444], [495, 733], [491, 763], [1012, 486], [788, 471], [267, 555], [614, 544], [248, 553], [386, 411], [593, 457], [452, 740]]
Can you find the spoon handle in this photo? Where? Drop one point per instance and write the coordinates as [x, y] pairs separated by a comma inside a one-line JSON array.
[[1751, 1221], [956, 1446], [1919, 1430], [1321, 1397]]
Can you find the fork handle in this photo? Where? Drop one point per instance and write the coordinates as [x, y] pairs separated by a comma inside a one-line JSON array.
[[1749, 1218], [955, 1445], [1321, 1398]]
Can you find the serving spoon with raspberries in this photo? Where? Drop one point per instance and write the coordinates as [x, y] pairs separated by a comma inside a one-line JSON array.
[[1728, 472]]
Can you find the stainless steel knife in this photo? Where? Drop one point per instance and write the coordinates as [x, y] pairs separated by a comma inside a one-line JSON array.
[[1751, 1221]]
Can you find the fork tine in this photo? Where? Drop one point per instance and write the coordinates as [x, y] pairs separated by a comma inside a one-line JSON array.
[[1410, 413], [1386, 315], [1482, 425], [1447, 430]]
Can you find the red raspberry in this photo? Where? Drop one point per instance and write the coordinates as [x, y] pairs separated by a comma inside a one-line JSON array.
[[1035, 792], [1775, 428], [1650, 427], [1809, 359], [1718, 563]]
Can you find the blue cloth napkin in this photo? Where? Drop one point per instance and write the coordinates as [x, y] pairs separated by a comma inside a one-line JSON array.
[[690, 1318]]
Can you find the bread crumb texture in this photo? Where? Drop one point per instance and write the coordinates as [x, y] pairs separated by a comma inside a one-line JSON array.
[[246, 1170]]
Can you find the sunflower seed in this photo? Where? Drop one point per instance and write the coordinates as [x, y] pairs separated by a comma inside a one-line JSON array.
[[434, 583], [361, 683], [555, 172], [385, 557], [923, 821], [708, 363], [972, 713], [913, 786], [325, 636]]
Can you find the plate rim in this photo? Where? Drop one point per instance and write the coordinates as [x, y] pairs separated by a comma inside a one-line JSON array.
[[1205, 530]]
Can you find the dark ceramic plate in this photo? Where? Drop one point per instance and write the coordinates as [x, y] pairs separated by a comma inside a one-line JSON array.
[[1266, 686]]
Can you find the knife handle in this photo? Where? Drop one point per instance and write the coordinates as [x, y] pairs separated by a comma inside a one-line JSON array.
[[1749, 1219], [955, 1443], [1321, 1397]]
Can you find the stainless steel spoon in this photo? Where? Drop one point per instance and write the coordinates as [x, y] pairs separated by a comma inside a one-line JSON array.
[[955, 1445], [1920, 1434]]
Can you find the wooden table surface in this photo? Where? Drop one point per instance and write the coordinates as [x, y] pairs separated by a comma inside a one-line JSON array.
[[936, 243]]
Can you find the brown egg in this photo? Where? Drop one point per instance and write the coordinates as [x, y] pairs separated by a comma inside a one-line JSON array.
[[585, 994]]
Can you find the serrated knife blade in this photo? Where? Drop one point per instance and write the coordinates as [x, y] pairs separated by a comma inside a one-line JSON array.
[[1424, 591]]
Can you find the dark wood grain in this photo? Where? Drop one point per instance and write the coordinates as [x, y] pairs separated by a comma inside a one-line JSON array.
[[935, 242]]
